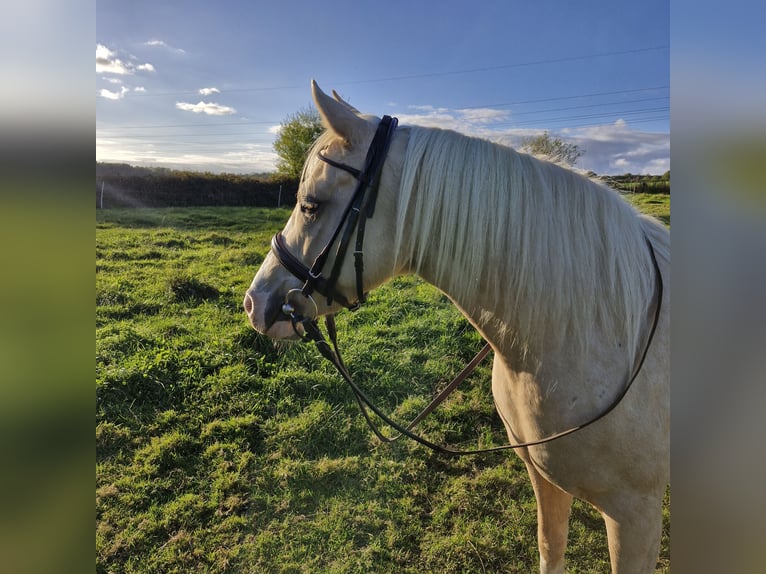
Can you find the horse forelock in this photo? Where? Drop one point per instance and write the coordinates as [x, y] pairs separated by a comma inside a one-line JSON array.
[[554, 252]]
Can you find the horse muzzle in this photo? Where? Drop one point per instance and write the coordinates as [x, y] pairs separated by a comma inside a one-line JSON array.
[[269, 315]]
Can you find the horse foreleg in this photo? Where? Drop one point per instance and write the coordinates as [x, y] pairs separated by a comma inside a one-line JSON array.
[[553, 508], [553, 504], [634, 529]]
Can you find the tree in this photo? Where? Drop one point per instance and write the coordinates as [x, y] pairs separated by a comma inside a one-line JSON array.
[[298, 131], [553, 148]]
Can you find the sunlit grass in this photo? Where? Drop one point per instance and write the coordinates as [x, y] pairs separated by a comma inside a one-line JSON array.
[[220, 451]]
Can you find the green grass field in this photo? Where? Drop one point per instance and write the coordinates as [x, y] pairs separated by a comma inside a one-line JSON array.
[[220, 451], [654, 204]]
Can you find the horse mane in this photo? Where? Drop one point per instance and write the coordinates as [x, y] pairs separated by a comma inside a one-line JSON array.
[[556, 252]]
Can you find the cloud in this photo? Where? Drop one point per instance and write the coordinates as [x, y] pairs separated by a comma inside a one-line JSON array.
[[124, 90], [110, 95], [107, 62], [470, 121], [163, 44], [618, 148], [208, 91], [428, 109], [615, 148], [118, 95], [211, 109], [484, 115], [239, 158]]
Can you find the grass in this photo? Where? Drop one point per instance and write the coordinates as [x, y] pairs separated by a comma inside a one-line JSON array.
[[654, 204], [219, 451]]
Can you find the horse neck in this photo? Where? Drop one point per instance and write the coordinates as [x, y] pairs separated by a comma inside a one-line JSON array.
[[522, 259], [429, 241]]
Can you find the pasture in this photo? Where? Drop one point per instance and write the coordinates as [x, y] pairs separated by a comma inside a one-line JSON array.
[[219, 451]]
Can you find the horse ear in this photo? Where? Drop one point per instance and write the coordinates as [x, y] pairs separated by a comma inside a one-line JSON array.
[[337, 116], [340, 100]]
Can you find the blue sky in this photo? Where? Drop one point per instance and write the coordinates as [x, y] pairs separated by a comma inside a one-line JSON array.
[[204, 85]]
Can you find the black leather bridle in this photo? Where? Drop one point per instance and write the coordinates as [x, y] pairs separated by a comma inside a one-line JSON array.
[[359, 209]]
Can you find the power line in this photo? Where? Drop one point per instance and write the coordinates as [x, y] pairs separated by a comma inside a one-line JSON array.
[[631, 123], [542, 100], [422, 75], [129, 127], [512, 123], [518, 102], [191, 135], [586, 106], [506, 66], [570, 121], [575, 118]]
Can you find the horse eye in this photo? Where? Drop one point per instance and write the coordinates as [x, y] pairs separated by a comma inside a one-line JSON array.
[[309, 208]]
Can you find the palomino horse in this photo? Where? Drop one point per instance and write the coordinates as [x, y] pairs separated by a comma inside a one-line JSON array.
[[556, 272]]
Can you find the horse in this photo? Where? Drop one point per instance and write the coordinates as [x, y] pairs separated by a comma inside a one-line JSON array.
[[555, 271]]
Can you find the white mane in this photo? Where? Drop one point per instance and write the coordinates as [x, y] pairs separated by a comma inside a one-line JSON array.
[[558, 252]]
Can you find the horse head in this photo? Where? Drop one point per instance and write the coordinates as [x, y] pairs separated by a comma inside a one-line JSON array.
[[307, 268]]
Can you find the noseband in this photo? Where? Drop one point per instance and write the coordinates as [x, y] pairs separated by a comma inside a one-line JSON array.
[[359, 209]]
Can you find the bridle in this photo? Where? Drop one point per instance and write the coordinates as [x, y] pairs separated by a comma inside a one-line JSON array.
[[360, 208]]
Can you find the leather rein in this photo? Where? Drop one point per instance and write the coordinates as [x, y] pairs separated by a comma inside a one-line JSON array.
[[360, 208]]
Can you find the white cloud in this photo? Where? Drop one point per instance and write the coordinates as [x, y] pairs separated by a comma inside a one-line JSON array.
[[484, 115], [239, 158], [618, 148], [609, 149], [110, 95], [208, 91], [472, 121], [428, 109], [211, 109], [107, 62], [275, 129], [139, 89], [163, 44], [621, 163]]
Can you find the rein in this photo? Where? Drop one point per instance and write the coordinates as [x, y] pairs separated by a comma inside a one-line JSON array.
[[364, 203], [313, 333]]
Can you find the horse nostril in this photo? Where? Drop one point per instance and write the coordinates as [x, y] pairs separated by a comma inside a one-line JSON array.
[[248, 304]]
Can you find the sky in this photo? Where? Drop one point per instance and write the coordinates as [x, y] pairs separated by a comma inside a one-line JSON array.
[[205, 85]]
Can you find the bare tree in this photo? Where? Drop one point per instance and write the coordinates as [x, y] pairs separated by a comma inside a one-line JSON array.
[[554, 148]]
